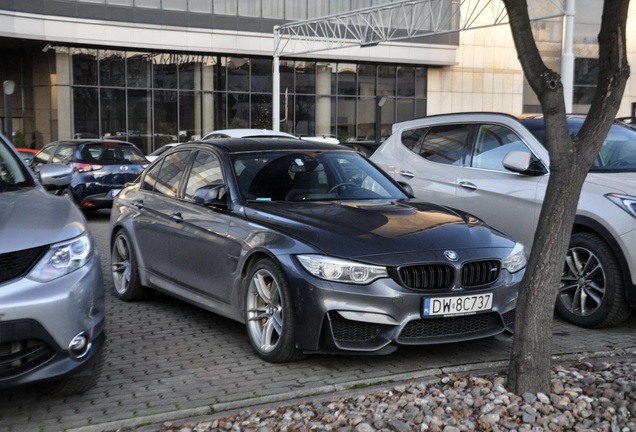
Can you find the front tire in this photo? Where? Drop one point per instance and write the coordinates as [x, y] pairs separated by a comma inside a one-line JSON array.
[[592, 291], [269, 313], [124, 269]]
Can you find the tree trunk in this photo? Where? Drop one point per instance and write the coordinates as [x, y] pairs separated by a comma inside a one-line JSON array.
[[570, 160]]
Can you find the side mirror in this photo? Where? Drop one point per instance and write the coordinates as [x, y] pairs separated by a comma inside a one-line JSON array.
[[210, 195], [523, 163], [55, 176], [407, 189]]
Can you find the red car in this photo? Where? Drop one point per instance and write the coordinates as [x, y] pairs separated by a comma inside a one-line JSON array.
[[26, 154]]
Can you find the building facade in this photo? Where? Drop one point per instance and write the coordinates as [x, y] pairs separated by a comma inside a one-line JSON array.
[[159, 71]]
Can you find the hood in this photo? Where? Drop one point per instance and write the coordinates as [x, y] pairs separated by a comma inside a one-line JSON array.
[[364, 229], [33, 217], [618, 182]]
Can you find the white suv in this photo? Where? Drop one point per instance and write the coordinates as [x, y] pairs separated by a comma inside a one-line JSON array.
[[496, 166]]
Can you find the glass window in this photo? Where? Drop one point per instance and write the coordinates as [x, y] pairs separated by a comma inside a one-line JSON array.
[[585, 78], [366, 118], [296, 10], [492, 143], [238, 74], [42, 157], [151, 4], [420, 82], [251, 8], [63, 154], [187, 116], [346, 117], [346, 79], [366, 80], [140, 119], [405, 110], [189, 76], [138, 70], [442, 144], [120, 2], [112, 69], [175, 5], [84, 68], [261, 115], [261, 75], [386, 80], [169, 178], [201, 6], [225, 7], [238, 110], [165, 108], [405, 81], [206, 171], [305, 77], [150, 178], [305, 115], [273, 9], [85, 112], [113, 112], [165, 71]]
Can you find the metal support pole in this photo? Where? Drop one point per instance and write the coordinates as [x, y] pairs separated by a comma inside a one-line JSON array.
[[8, 87], [567, 56], [276, 84]]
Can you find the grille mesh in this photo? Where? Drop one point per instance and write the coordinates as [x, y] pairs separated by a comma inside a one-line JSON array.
[[18, 263], [352, 331], [450, 326], [432, 276]]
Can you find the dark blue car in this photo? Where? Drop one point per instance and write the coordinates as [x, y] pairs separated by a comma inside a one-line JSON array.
[[100, 168]]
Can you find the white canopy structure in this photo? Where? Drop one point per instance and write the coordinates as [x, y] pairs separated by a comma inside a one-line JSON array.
[[408, 20]]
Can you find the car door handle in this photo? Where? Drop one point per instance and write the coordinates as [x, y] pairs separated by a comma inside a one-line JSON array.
[[177, 217], [468, 185], [408, 174], [139, 204]]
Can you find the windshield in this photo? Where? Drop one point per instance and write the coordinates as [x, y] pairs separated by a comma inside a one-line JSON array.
[[13, 173], [618, 153], [310, 176]]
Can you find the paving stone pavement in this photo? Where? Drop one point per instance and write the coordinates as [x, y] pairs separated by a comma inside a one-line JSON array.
[[167, 360]]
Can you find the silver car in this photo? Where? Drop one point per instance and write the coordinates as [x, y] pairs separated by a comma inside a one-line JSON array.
[[496, 167], [51, 284]]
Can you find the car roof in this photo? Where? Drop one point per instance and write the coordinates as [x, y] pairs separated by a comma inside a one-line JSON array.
[[240, 145], [78, 142], [249, 133]]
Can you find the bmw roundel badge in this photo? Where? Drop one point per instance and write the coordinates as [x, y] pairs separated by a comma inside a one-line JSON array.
[[451, 255]]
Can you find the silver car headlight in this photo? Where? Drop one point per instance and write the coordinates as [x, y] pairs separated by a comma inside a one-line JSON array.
[[516, 260], [63, 258], [626, 202], [339, 270]]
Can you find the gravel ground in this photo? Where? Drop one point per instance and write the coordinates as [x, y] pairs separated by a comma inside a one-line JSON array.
[[589, 395]]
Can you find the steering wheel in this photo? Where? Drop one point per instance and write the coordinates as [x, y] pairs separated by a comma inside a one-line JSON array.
[[339, 185]]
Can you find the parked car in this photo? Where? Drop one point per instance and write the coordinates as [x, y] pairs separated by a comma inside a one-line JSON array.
[[467, 161], [312, 247], [100, 168], [51, 284], [26, 153], [246, 133], [164, 148]]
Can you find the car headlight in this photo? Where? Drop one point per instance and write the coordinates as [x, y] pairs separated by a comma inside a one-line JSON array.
[[516, 260], [626, 202], [63, 258], [339, 270]]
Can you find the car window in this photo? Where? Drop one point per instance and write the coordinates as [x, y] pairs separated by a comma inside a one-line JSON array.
[[105, 153], [307, 176], [492, 143], [442, 144], [63, 154], [43, 156], [12, 171], [206, 171], [167, 180]]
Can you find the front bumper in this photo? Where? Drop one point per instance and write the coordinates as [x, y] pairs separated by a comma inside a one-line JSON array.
[[38, 321], [378, 317]]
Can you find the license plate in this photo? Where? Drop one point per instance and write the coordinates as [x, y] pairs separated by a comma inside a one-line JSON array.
[[458, 305], [114, 192]]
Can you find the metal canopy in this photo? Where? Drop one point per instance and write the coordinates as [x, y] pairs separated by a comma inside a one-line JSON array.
[[393, 22]]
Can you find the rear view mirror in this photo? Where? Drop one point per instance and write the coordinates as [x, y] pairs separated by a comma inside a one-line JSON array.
[[210, 195]]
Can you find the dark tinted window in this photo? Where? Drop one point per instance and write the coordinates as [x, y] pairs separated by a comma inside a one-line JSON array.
[[442, 144], [171, 173], [110, 152], [206, 171]]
